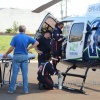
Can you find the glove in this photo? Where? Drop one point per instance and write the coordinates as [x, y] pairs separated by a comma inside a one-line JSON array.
[[57, 71]]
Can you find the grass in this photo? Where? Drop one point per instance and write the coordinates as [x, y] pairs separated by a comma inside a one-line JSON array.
[[5, 44]]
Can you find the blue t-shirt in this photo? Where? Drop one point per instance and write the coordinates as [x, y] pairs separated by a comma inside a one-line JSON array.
[[21, 42]]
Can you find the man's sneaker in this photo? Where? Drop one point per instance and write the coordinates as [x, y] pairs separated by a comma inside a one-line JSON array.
[[10, 92], [25, 92]]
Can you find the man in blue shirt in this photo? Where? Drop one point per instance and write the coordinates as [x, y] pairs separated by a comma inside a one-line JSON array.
[[19, 44]]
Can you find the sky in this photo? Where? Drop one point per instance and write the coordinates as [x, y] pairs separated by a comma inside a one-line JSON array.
[[74, 7]]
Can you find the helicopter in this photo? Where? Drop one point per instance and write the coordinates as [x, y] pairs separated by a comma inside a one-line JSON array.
[[81, 48]]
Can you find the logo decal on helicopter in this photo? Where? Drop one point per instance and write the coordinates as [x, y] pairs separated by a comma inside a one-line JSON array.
[[72, 49], [94, 8], [75, 46], [93, 47]]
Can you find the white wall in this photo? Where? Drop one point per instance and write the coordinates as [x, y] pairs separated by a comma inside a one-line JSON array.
[[23, 17]]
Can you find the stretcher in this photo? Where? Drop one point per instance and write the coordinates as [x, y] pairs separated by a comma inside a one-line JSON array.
[[5, 77]]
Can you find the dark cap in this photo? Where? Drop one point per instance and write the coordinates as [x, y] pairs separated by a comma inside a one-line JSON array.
[[59, 23], [48, 31]]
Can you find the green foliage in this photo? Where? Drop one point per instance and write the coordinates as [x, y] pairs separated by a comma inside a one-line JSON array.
[[4, 43], [9, 30], [14, 28]]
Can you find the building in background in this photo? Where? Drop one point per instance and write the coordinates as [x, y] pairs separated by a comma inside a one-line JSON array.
[[21, 17], [31, 19]]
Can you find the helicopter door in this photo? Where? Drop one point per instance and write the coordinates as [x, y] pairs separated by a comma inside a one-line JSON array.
[[75, 43], [48, 23]]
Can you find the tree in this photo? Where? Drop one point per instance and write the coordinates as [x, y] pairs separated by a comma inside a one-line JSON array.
[[13, 29]]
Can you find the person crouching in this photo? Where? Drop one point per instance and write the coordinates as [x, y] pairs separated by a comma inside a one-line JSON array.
[[45, 71]]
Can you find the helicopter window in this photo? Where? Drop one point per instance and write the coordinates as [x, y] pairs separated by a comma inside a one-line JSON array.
[[50, 21], [76, 32], [45, 27], [48, 25], [66, 28]]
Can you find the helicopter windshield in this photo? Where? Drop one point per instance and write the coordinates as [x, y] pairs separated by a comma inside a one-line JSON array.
[[76, 32]]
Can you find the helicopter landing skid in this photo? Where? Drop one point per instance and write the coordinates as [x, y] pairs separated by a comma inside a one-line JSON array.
[[64, 74]]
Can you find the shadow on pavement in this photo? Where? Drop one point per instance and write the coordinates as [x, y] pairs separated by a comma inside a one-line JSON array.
[[33, 88]]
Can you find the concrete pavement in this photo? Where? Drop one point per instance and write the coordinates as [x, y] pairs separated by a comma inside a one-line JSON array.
[[92, 86]]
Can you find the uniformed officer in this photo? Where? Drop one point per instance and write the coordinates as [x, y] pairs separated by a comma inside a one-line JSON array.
[[57, 39], [44, 74], [44, 46]]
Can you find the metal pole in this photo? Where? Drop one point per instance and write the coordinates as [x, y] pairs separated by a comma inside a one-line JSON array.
[[61, 10], [66, 8]]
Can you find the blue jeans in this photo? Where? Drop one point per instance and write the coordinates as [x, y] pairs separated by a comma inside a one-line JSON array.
[[19, 62]]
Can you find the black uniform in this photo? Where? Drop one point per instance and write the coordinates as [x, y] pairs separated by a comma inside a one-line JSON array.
[[45, 47], [57, 39], [44, 74]]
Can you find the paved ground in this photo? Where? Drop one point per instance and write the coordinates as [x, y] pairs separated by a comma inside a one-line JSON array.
[[92, 87]]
